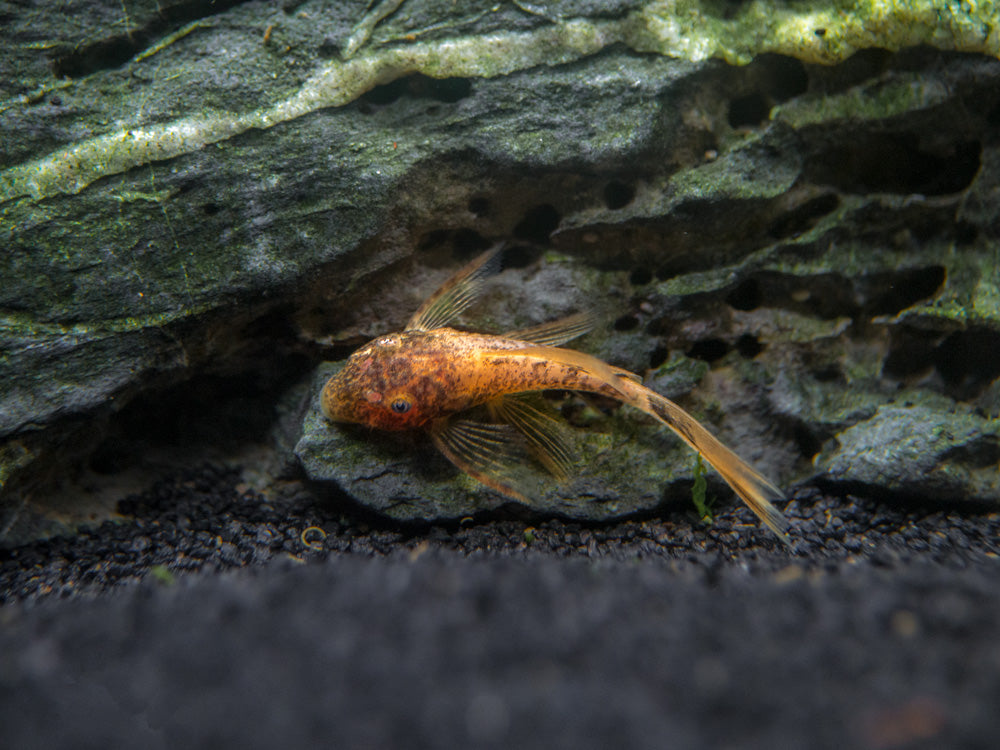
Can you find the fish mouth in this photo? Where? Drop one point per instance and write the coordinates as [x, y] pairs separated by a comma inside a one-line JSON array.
[[335, 413], [332, 405], [328, 410]]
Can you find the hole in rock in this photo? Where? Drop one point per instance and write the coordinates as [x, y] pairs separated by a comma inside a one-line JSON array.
[[207, 413], [749, 346], [640, 276], [749, 110], [980, 453], [385, 93], [479, 207], [538, 224], [105, 54], [910, 352], [708, 350], [774, 79], [859, 67], [993, 116], [468, 242], [804, 216], [114, 455], [829, 373], [889, 293], [969, 361], [618, 195], [808, 443], [447, 90], [520, 256], [746, 296], [419, 86], [825, 296], [433, 240], [329, 49], [783, 77], [878, 162], [725, 9], [658, 356], [626, 323], [459, 244]]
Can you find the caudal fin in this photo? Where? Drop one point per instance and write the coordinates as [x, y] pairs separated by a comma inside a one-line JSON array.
[[752, 487]]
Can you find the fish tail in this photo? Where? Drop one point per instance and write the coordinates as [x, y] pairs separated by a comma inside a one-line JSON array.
[[752, 487]]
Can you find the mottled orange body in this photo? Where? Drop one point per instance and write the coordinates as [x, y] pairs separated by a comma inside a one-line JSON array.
[[429, 375], [443, 372]]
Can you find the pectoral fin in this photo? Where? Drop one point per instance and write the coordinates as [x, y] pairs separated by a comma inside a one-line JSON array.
[[542, 431], [492, 454], [457, 293]]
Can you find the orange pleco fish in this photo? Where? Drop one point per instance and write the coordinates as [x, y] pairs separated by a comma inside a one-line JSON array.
[[430, 376]]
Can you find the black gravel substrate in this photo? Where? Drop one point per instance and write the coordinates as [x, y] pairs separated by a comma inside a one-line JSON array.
[[877, 628]]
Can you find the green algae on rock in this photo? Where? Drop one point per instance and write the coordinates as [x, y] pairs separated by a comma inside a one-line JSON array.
[[686, 29]]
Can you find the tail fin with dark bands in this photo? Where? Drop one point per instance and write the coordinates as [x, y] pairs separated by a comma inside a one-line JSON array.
[[752, 487]]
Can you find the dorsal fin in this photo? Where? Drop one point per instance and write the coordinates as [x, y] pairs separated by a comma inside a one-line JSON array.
[[457, 293], [556, 332]]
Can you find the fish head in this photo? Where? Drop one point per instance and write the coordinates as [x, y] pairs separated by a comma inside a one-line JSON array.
[[389, 384]]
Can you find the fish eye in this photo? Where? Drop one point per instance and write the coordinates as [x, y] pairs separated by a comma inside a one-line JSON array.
[[400, 405]]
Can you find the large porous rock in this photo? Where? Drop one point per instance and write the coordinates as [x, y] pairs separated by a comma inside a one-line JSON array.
[[786, 214], [920, 452]]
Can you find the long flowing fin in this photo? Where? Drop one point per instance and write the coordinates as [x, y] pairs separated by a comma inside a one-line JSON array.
[[457, 293], [752, 487], [626, 374], [489, 453], [541, 430], [556, 332]]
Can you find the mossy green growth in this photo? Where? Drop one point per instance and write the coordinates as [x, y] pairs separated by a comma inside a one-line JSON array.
[[876, 101], [14, 455], [747, 172], [162, 575], [810, 30]]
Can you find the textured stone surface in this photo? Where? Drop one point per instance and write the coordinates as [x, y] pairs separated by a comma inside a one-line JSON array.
[[919, 451], [211, 204]]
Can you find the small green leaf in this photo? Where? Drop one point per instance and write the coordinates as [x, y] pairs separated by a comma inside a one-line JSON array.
[[162, 574], [702, 505]]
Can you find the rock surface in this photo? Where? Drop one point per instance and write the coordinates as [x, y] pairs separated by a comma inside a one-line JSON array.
[[197, 209]]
